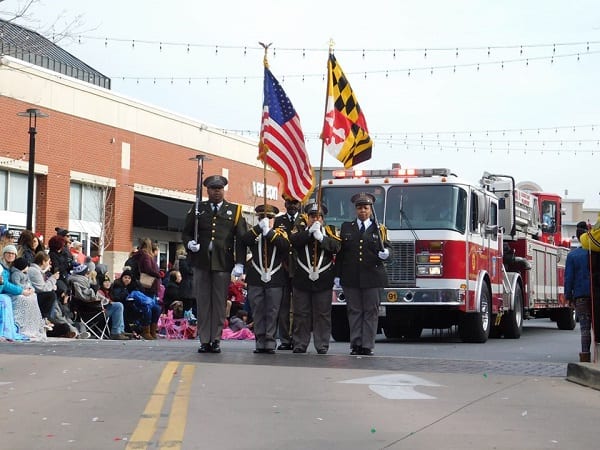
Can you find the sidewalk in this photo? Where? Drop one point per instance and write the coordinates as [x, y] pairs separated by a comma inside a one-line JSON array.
[[587, 374]]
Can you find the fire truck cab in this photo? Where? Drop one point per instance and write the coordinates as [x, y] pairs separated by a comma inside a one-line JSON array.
[[469, 255]]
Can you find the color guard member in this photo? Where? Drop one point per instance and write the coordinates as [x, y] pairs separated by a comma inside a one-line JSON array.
[[361, 272], [265, 276], [316, 245], [212, 257]]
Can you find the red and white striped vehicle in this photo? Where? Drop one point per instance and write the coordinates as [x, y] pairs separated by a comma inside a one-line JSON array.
[[481, 256]]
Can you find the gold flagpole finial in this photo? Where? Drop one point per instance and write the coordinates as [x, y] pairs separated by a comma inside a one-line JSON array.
[[266, 47], [331, 45]]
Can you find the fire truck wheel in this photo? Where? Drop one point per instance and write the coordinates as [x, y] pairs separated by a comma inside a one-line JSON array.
[[475, 327], [565, 319], [512, 321], [340, 330]]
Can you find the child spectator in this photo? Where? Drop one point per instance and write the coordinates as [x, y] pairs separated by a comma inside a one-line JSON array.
[[238, 327]]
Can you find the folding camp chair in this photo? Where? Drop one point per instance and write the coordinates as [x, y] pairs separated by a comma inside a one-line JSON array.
[[93, 318], [174, 328]]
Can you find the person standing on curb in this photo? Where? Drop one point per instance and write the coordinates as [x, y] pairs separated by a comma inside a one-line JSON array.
[[361, 273], [265, 276], [315, 246], [284, 323], [217, 250], [578, 291]]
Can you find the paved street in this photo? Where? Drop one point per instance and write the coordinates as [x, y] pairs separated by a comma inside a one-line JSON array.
[[419, 395]]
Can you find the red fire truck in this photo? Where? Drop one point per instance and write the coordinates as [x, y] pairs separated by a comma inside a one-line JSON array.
[[480, 256]]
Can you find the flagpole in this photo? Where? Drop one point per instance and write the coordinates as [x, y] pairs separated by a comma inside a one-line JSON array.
[[265, 150], [319, 194]]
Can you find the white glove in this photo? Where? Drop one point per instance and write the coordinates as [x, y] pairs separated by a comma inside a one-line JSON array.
[[318, 235], [264, 225], [238, 270], [315, 230], [336, 283], [315, 226], [193, 246], [385, 254]]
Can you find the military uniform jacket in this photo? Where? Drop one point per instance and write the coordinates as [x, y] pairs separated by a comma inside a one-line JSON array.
[[277, 251], [283, 221], [357, 263], [224, 230], [304, 246]]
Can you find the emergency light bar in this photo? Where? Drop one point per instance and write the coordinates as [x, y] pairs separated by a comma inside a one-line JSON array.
[[392, 173]]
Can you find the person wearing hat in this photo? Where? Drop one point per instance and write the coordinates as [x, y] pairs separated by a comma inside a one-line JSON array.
[[315, 247], [361, 272], [88, 300], [265, 276], [213, 235], [26, 311], [578, 291], [284, 325]]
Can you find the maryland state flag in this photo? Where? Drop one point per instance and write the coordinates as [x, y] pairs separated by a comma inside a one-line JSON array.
[[345, 132]]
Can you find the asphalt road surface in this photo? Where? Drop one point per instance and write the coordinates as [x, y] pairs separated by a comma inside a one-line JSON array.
[[433, 393]]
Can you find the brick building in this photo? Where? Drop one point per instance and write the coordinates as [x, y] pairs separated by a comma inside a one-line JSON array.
[[109, 168]]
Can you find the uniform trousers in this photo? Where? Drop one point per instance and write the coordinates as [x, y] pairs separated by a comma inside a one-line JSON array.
[[211, 297], [363, 315], [312, 312], [284, 326], [265, 303]]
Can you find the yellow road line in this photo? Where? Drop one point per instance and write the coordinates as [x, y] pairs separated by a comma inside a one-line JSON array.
[[146, 427], [172, 437]]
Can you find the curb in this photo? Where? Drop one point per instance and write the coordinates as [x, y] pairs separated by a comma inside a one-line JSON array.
[[586, 374]]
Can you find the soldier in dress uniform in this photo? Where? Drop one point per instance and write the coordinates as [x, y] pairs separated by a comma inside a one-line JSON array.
[[361, 273], [315, 245], [217, 250], [265, 275], [284, 325]]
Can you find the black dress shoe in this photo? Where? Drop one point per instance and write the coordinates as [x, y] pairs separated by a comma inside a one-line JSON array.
[[215, 348], [260, 350], [356, 350], [298, 350], [367, 352], [270, 351], [322, 351], [205, 348], [285, 347]]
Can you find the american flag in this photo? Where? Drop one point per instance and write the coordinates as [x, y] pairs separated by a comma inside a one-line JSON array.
[[282, 141]]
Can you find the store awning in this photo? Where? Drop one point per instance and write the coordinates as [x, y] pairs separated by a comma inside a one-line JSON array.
[[159, 212]]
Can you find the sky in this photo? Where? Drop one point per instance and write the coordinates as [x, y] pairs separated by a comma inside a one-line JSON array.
[[505, 87]]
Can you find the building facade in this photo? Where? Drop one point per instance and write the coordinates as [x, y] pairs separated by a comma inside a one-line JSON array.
[[109, 168]]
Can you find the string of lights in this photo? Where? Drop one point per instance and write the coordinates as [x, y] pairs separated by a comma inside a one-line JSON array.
[[385, 72], [427, 51], [474, 141], [458, 133]]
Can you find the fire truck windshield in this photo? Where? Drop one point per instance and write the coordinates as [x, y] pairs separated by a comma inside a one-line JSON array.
[[426, 207], [423, 207], [339, 207]]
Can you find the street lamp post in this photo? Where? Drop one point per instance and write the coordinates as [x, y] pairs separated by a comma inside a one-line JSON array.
[[33, 114]]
